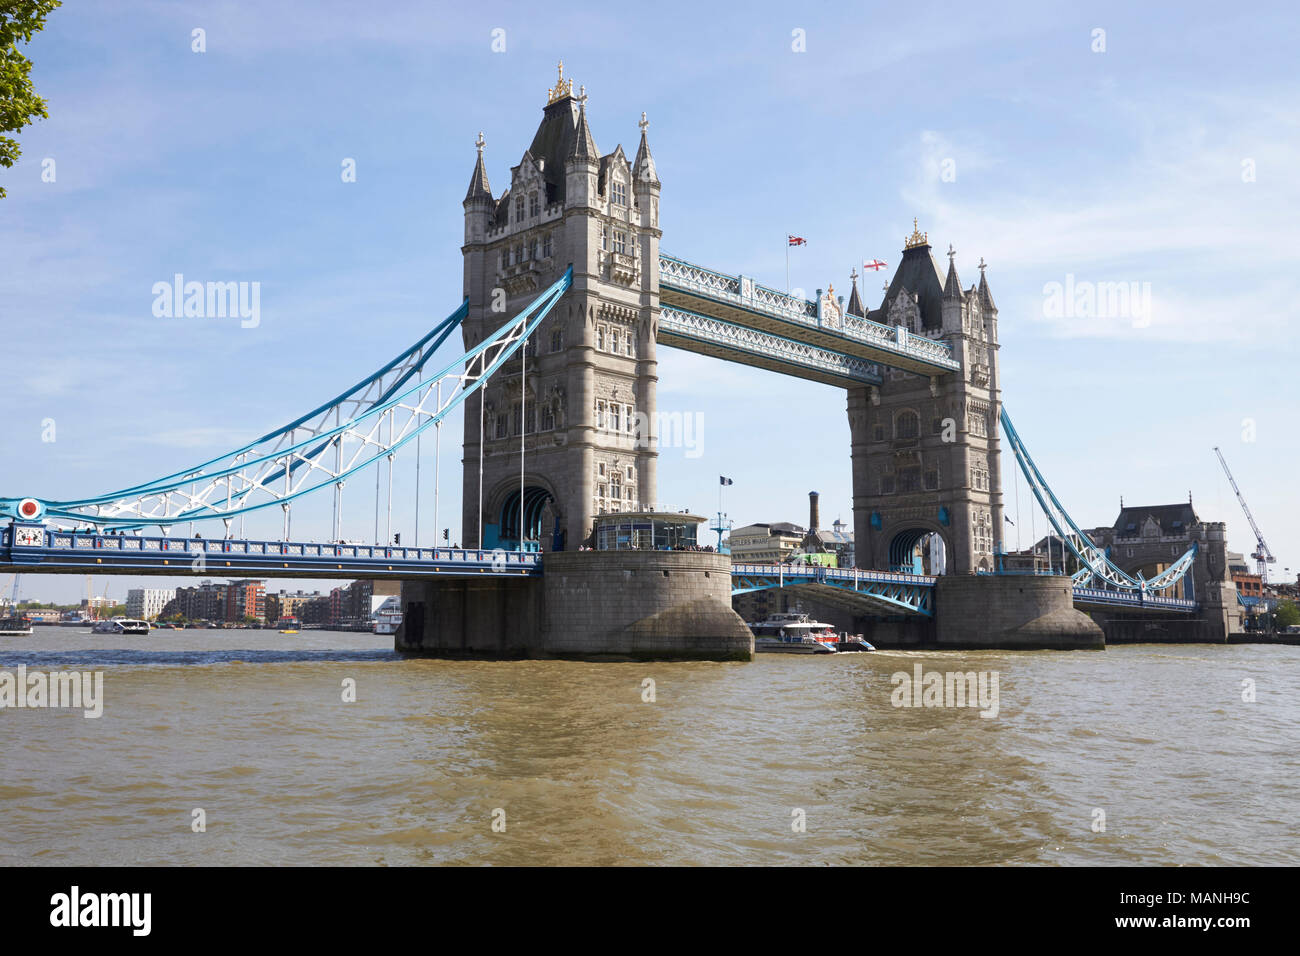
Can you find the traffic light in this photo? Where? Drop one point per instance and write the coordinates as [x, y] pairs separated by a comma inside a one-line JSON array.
[[446, 534], [397, 538]]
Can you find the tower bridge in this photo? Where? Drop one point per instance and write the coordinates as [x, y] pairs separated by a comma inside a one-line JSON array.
[[566, 299]]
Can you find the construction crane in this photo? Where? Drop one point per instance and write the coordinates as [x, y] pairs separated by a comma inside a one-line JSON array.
[[1263, 557]]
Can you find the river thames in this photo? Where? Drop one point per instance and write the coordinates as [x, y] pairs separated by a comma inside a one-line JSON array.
[[786, 760]]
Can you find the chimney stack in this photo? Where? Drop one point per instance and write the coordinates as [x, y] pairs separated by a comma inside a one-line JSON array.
[[814, 519]]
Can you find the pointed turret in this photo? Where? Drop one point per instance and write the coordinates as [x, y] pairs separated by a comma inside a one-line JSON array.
[[644, 167], [478, 182], [952, 284], [986, 297], [855, 302], [584, 146]]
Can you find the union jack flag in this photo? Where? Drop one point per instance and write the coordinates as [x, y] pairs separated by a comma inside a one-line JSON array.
[[798, 241]]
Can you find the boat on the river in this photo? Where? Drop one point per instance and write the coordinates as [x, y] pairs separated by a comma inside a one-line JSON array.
[[793, 632], [15, 626], [120, 625]]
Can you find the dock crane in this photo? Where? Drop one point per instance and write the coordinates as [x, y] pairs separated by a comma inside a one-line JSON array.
[[1263, 557]]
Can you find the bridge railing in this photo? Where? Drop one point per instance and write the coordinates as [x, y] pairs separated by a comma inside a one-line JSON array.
[[815, 572], [1134, 598], [718, 285], [81, 541]]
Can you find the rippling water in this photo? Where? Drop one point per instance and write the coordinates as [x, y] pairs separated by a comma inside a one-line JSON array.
[[251, 727]]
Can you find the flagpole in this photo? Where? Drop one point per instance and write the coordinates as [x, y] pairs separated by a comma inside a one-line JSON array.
[[787, 264]]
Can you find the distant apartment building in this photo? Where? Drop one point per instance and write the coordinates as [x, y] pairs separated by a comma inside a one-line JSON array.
[[246, 599], [207, 602], [315, 611], [283, 604], [145, 604]]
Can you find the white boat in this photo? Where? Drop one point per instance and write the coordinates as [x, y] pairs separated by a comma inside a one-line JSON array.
[[120, 625], [15, 627], [388, 616], [793, 633]]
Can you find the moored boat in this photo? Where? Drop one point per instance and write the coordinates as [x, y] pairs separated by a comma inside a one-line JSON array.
[[793, 633], [16, 626]]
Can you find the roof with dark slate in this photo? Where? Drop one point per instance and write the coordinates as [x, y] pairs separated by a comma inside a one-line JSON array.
[[554, 141], [1172, 519], [919, 273]]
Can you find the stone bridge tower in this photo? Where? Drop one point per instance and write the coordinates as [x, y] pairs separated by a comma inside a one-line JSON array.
[[589, 377], [926, 456]]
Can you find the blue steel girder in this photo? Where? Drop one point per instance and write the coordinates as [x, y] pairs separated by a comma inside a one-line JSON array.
[[1095, 563], [362, 426], [878, 590], [66, 552], [737, 343], [741, 301]]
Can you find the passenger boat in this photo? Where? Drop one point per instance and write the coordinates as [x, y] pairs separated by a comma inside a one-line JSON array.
[[793, 633], [120, 625], [388, 616], [15, 627]]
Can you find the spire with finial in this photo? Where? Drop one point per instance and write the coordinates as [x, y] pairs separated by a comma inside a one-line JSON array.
[[952, 284], [917, 238], [561, 89], [855, 303], [584, 145], [986, 297], [478, 182], [644, 166]]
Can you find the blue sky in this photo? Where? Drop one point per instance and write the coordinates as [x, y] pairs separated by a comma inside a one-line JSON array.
[[997, 126]]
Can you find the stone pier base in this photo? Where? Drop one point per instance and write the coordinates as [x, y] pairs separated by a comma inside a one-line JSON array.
[[589, 605], [1012, 612], [994, 612]]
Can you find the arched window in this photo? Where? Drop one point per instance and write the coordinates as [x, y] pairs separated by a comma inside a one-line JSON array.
[[907, 425]]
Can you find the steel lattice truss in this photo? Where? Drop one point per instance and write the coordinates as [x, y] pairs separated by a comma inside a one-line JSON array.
[[878, 590], [321, 449], [1095, 567], [705, 330], [742, 292]]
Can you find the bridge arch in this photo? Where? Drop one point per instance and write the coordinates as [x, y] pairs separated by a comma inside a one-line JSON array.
[[539, 514], [918, 549]]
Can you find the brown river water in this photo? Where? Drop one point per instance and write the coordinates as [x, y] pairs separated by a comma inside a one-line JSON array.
[[251, 727]]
